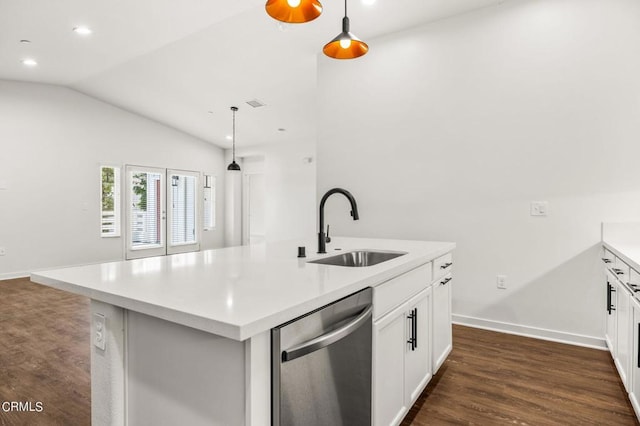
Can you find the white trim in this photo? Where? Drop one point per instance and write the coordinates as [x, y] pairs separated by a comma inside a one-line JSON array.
[[534, 332], [14, 275], [27, 274]]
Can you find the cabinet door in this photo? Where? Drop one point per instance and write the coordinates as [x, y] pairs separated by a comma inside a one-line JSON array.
[[442, 337], [610, 334], [623, 332], [634, 373], [418, 348], [388, 367]]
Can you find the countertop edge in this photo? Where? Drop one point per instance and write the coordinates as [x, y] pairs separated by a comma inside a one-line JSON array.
[[242, 332]]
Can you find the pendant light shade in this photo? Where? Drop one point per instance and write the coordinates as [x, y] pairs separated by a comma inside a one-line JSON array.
[[345, 45], [234, 166], [294, 11]]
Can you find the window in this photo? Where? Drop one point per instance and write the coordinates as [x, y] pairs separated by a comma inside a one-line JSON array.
[[110, 201], [209, 205]]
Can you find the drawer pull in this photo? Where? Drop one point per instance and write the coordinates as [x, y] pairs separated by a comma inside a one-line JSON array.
[[605, 260], [618, 271], [446, 265], [445, 281]]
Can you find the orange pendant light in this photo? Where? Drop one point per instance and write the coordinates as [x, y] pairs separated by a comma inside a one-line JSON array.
[[345, 45], [294, 11]]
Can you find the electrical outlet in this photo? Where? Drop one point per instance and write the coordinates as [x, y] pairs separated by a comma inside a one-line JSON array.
[[501, 281], [539, 208], [3, 251], [99, 331]]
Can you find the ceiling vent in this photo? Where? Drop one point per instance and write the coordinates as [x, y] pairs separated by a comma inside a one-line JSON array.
[[256, 103]]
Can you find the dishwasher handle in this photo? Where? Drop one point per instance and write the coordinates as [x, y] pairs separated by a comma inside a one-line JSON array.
[[328, 338]]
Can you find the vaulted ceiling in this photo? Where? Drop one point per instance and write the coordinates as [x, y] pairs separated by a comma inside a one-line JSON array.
[[185, 63]]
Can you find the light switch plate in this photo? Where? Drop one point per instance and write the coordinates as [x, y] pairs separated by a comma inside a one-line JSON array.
[[99, 331], [539, 208], [501, 282]]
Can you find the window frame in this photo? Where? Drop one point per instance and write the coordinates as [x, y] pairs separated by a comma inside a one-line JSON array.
[[117, 201], [211, 180]]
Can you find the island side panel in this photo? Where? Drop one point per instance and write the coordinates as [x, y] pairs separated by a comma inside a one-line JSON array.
[[108, 366], [180, 375], [258, 379]]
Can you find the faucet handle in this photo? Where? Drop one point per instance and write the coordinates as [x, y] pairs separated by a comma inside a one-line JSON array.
[[328, 238]]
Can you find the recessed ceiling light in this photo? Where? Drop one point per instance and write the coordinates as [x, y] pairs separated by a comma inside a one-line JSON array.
[[82, 30], [25, 41], [210, 112], [229, 137], [281, 129], [29, 62]]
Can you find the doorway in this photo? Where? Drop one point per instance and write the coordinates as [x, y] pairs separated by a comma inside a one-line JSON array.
[[162, 213]]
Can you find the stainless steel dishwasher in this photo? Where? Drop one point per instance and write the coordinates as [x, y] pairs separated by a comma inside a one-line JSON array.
[[321, 365]]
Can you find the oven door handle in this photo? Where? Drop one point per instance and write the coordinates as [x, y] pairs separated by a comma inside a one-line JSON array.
[[328, 338]]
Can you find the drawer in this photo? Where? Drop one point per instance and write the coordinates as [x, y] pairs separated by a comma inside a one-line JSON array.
[[634, 280], [396, 291], [608, 258], [620, 270], [442, 266]]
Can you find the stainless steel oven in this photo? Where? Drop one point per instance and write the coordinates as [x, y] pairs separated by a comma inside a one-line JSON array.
[[321, 365]]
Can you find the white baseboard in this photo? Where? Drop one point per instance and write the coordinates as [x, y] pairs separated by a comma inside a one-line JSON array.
[[27, 274], [14, 275], [535, 332]]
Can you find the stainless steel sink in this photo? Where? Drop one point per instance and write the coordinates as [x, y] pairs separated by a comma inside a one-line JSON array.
[[358, 258]]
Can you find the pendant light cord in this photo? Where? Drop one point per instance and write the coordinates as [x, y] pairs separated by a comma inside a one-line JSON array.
[[345, 7], [234, 135]]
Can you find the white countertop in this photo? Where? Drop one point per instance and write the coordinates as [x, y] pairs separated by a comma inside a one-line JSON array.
[[629, 252], [238, 292], [623, 239]]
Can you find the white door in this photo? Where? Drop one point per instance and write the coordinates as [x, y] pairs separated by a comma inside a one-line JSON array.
[[254, 208], [611, 333], [417, 372], [623, 332], [442, 337], [634, 386], [145, 212], [148, 232], [183, 211], [389, 342]]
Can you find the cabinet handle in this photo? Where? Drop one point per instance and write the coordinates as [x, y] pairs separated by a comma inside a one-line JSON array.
[[446, 265], [415, 328], [609, 297], [605, 260], [413, 340], [618, 271], [445, 281], [638, 345]]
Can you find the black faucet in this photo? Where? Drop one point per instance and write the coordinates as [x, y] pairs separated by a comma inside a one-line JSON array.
[[322, 239]]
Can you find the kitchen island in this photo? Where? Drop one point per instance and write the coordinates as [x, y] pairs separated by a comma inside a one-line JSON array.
[[185, 339]]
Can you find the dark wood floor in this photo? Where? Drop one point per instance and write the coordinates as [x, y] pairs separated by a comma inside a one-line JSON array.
[[496, 379], [44, 354], [489, 378]]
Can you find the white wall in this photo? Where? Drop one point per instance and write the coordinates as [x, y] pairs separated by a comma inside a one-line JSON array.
[[52, 142], [448, 131], [290, 185]]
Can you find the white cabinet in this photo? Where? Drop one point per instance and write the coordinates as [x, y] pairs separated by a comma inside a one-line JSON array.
[[612, 317], [417, 369], [389, 343], [623, 333], [442, 332], [401, 358], [634, 371]]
